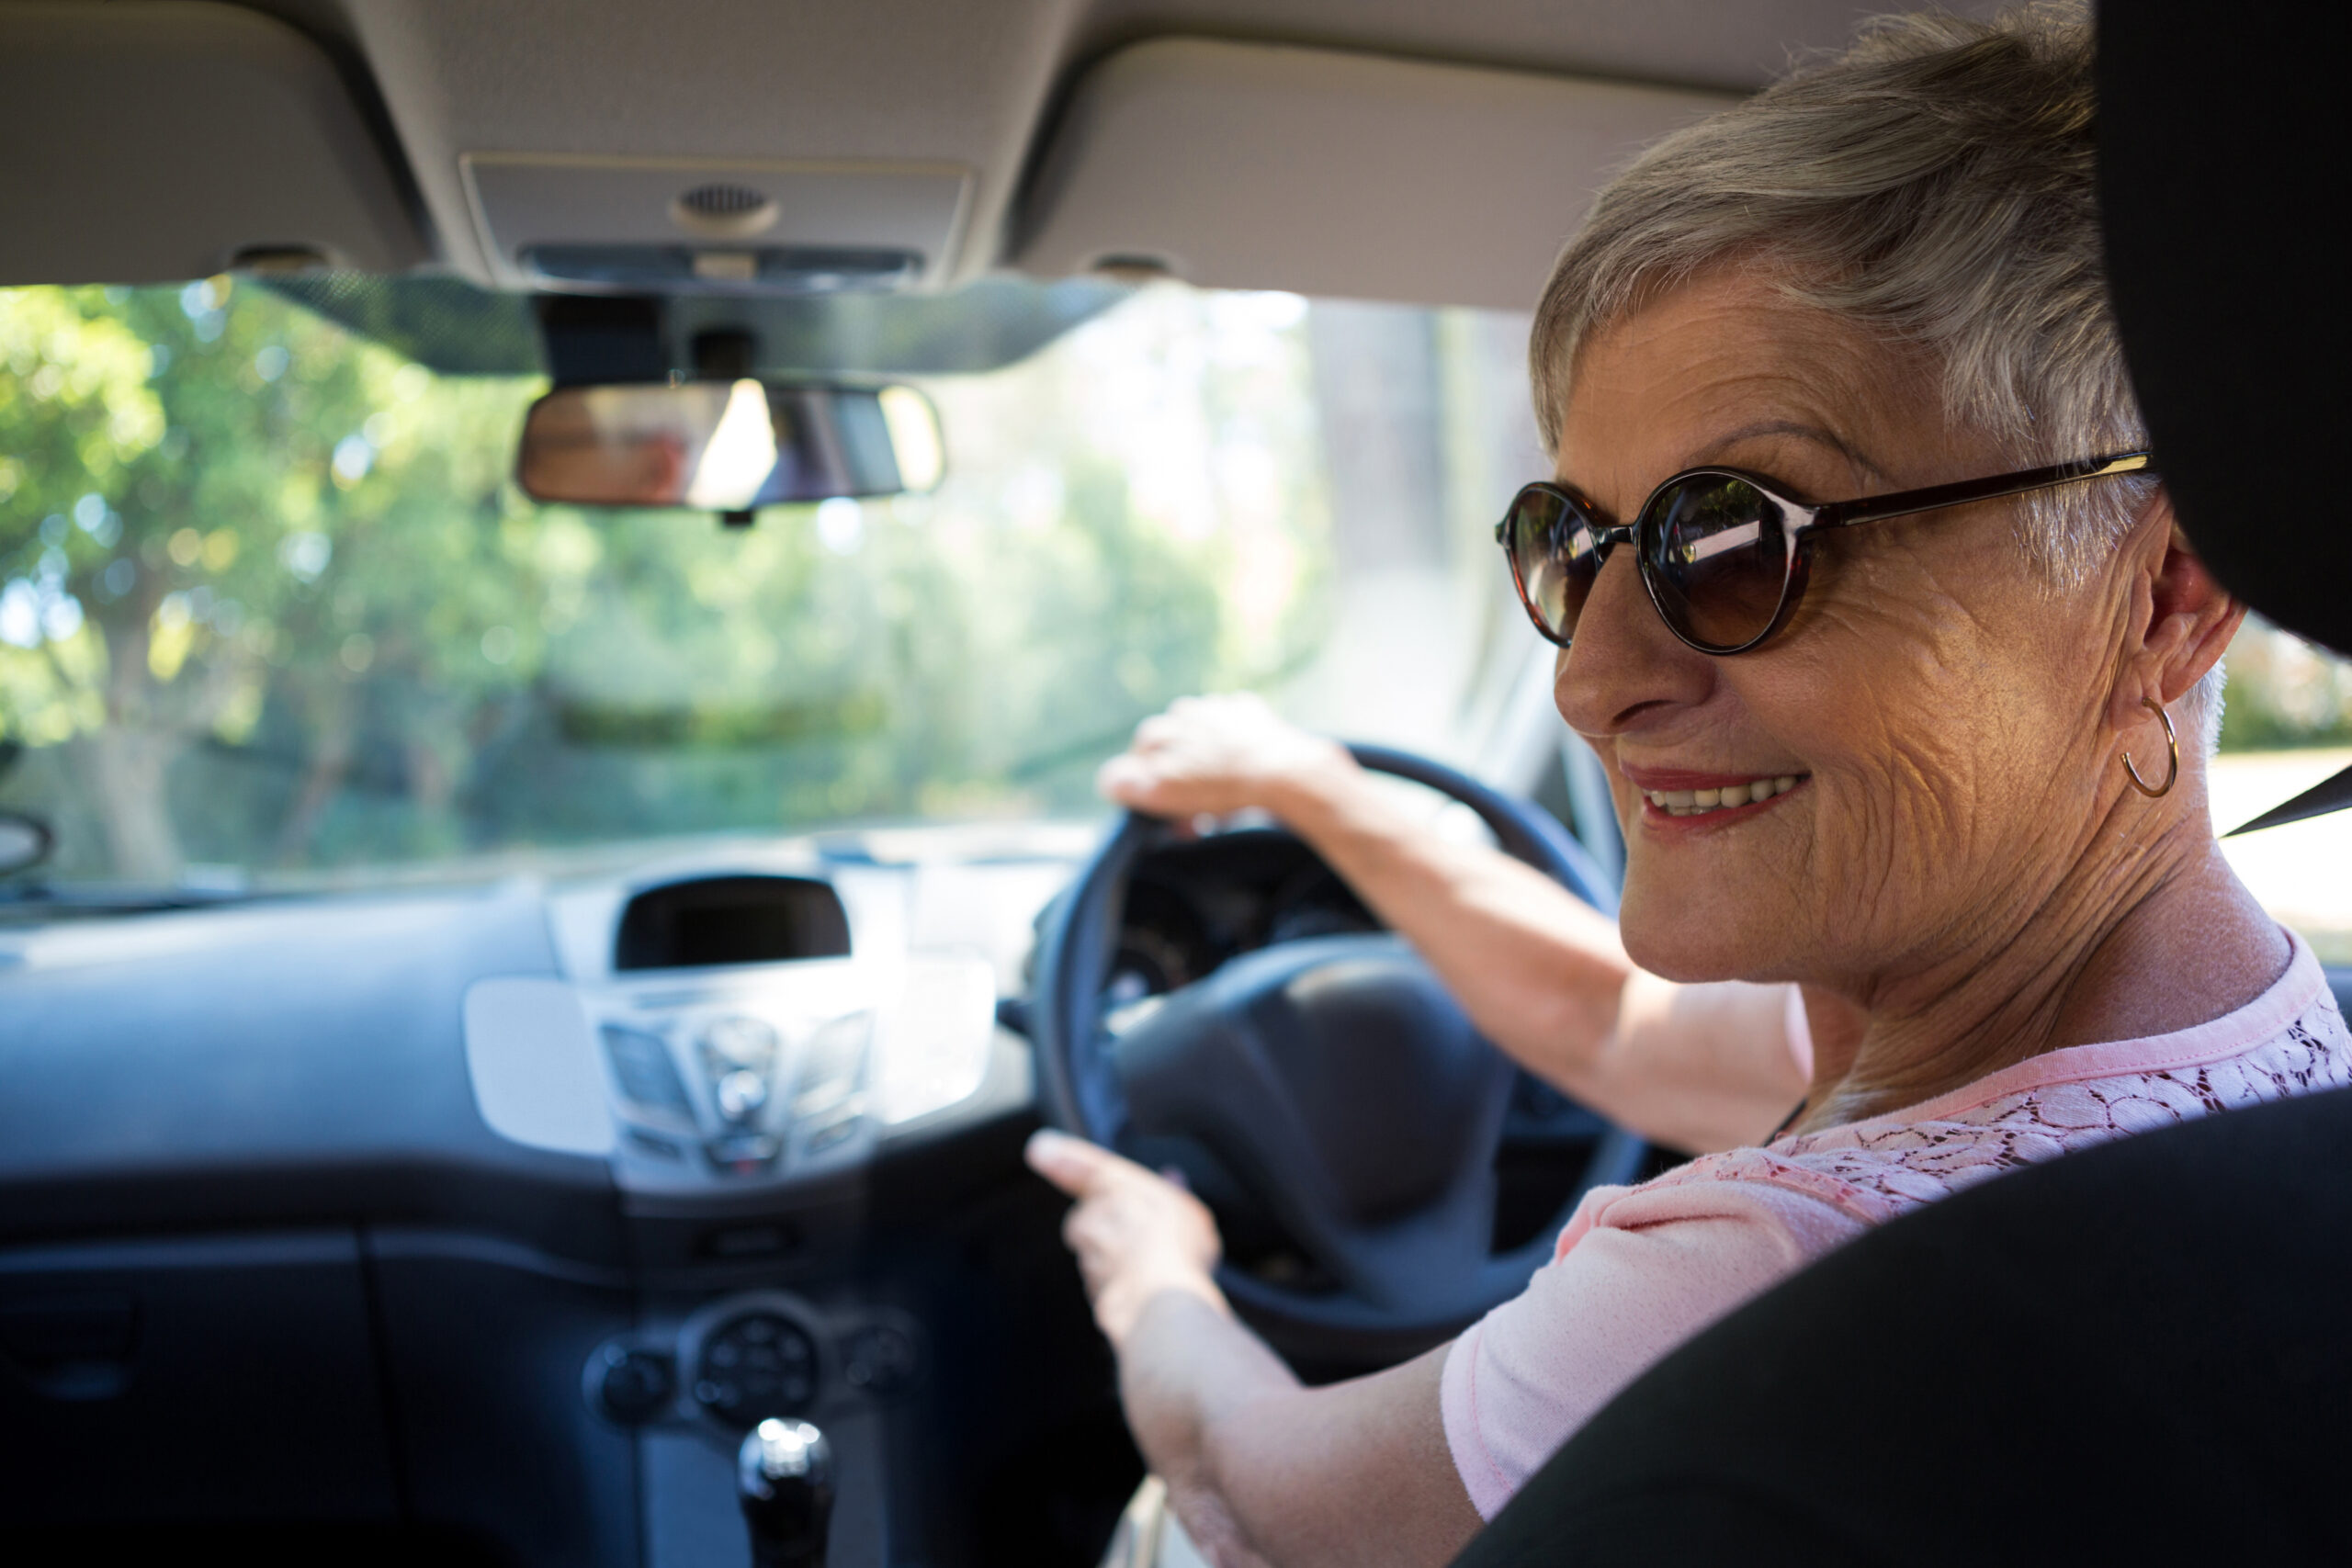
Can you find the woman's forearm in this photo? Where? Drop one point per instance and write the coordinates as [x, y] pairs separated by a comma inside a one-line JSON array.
[[1185, 1370], [1539, 971], [1544, 976], [1264, 1470], [1186, 1366]]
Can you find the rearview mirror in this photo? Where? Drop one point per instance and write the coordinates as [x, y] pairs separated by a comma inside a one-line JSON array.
[[727, 446], [25, 841]]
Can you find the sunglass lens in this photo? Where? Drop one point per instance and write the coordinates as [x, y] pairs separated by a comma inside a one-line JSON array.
[[1716, 554], [1553, 558]]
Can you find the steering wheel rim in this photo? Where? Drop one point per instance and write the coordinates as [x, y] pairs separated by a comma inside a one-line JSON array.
[[1408, 1279]]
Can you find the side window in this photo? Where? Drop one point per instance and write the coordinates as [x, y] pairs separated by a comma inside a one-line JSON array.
[[2286, 726]]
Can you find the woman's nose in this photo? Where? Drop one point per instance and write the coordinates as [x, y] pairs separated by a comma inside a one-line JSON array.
[[1624, 663]]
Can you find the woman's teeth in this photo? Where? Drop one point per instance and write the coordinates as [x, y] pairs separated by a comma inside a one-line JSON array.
[[1699, 802]]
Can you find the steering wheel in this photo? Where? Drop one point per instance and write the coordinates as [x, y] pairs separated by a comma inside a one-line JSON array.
[[1339, 1084]]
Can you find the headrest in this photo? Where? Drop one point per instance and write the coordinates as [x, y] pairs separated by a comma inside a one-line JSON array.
[[2222, 155]]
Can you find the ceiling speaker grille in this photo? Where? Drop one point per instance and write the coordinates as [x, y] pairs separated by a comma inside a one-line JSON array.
[[721, 201], [723, 208]]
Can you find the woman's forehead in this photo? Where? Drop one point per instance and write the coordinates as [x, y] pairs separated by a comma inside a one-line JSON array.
[[1729, 362]]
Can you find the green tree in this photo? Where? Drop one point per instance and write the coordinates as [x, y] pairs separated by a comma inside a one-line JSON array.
[[203, 496], [268, 598]]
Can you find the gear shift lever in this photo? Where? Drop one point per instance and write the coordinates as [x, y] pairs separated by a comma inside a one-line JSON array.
[[783, 1478]]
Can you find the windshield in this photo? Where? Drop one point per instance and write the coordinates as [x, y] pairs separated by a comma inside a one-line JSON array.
[[271, 610]]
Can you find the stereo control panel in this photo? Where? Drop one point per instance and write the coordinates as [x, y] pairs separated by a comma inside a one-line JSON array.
[[730, 1080], [769, 1073], [745, 1357]]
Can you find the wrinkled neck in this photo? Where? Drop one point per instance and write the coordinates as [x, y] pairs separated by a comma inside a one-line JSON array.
[[2145, 931]]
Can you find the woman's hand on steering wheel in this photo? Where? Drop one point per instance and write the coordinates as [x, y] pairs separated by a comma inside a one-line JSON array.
[[1216, 755], [1136, 1234], [1360, 1106]]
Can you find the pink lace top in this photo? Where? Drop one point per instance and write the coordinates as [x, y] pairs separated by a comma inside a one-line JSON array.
[[1640, 1270]]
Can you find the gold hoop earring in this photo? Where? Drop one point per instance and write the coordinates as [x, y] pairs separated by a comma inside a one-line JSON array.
[[2172, 776]]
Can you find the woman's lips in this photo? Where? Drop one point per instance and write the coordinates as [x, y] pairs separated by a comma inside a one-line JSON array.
[[1669, 794]]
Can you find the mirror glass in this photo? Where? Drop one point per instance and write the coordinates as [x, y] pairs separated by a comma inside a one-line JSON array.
[[24, 841], [728, 445]]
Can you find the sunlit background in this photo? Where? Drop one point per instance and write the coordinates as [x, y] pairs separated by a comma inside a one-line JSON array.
[[272, 611], [271, 608]]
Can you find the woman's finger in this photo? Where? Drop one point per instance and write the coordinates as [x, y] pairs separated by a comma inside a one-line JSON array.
[[1071, 1164], [1123, 778], [1077, 1237]]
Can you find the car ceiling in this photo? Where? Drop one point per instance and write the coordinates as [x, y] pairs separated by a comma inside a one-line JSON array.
[[978, 86]]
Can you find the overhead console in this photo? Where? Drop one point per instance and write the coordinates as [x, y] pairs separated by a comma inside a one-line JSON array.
[[668, 225], [153, 143], [1252, 166]]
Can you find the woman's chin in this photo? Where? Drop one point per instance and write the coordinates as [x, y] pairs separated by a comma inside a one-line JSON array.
[[1688, 939]]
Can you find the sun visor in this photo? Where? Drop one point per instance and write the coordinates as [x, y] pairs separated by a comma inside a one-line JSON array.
[[665, 225], [1270, 166], [144, 142]]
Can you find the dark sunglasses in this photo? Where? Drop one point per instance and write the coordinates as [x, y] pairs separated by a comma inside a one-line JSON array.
[[1721, 553]]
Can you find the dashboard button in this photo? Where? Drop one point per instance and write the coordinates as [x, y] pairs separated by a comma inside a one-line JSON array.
[[739, 1040], [636, 1384], [837, 1051], [817, 1099], [743, 1154], [654, 1143], [644, 1072], [831, 1134], [755, 1367], [740, 1093], [881, 1360]]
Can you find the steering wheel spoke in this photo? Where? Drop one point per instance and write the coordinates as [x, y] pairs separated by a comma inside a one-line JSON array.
[[1334, 1079]]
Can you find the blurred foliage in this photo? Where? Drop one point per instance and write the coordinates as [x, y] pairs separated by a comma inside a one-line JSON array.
[[2284, 693], [268, 601], [445, 324]]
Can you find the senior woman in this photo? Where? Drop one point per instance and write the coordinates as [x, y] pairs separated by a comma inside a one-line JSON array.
[[1905, 681]]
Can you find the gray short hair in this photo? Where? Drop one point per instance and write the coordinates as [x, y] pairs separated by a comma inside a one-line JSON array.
[[1935, 184]]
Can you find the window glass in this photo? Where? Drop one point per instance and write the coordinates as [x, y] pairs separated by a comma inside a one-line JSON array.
[[2286, 725], [271, 608]]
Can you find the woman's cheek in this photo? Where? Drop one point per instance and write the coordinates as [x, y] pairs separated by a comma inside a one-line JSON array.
[[1901, 827]]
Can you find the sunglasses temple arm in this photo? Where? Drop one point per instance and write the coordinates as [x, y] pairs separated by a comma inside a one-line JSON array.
[[1903, 503]]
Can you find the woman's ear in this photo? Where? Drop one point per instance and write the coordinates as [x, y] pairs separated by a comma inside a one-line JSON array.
[[2181, 618]]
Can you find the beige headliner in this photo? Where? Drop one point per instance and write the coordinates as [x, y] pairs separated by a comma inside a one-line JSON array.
[[978, 82]]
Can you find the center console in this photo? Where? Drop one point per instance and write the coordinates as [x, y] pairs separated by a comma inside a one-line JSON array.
[[717, 1075], [740, 1051]]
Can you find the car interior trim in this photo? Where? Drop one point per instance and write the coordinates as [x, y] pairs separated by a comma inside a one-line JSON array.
[[224, 136], [1251, 166], [519, 200]]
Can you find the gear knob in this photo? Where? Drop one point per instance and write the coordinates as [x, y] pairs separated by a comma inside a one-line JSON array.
[[783, 1478]]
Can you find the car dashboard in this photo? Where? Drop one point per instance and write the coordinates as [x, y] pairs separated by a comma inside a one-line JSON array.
[[499, 1214]]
